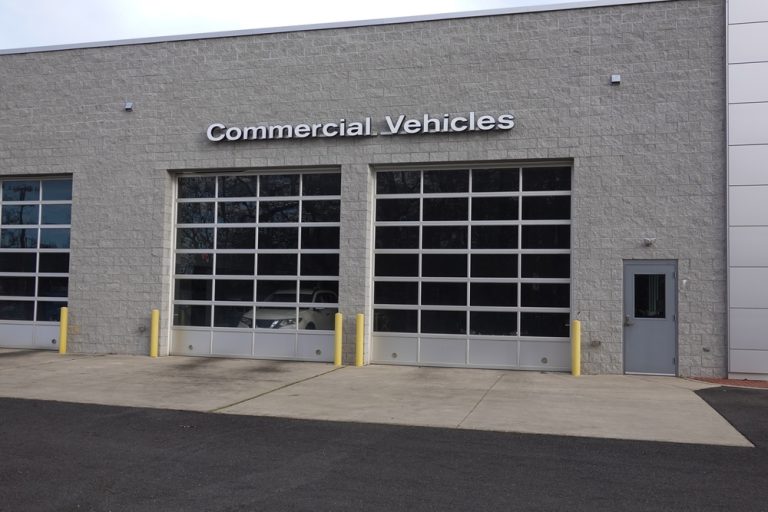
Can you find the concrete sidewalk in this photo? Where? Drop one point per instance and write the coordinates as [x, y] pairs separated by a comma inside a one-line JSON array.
[[608, 406]]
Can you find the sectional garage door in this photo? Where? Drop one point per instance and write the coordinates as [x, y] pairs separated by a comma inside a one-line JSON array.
[[472, 267], [256, 269]]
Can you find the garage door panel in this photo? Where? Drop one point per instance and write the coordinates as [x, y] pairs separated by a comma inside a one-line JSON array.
[[471, 261], [395, 350], [253, 266]]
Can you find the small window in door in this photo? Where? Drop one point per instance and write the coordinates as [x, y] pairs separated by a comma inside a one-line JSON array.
[[650, 296]]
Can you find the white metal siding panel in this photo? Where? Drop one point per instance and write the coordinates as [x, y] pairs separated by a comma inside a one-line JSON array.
[[748, 165]]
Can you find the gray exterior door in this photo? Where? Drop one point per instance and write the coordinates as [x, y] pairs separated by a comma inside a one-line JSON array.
[[650, 317]]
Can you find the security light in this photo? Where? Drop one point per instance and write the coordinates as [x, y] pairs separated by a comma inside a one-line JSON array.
[[128, 106]]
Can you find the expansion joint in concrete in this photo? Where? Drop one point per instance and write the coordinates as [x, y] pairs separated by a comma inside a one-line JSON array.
[[219, 409]]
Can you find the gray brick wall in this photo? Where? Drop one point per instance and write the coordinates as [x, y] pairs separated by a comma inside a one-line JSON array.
[[648, 155]]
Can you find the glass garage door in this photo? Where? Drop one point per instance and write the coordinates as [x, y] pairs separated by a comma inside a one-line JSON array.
[[256, 270], [34, 260], [472, 267]]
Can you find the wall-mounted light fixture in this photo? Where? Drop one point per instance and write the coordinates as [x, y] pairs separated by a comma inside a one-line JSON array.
[[615, 79], [647, 242], [128, 107]]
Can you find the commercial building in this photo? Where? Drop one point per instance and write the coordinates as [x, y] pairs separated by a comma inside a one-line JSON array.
[[471, 183]]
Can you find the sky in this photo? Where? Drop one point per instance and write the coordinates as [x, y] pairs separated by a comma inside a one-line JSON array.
[[31, 23]]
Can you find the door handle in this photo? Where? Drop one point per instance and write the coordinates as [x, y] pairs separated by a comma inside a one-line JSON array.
[[627, 321]]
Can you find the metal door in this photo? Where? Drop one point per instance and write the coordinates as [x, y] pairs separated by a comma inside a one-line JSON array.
[[650, 317]]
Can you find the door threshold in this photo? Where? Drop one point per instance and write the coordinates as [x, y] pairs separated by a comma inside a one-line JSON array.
[[651, 374]]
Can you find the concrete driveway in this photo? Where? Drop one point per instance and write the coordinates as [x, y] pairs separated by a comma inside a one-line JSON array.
[[607, 406]]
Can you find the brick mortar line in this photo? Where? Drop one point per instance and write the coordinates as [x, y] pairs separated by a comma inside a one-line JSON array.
[[219, 409]]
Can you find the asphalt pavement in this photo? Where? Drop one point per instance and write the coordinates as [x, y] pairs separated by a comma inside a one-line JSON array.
[[59, 456]]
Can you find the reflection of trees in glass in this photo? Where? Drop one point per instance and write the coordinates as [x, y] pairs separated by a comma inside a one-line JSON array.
[[244, 211], [278, 238], [398, 182], [197, 186], [236, 238], [19, 239], [321, 184], [279, 211], [26, 214], [194, 238], [21, 190], [237, 186], [279, 185]]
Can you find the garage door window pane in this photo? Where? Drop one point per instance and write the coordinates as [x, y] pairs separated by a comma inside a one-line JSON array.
[[495, 208], [193, 289], [196, 187], [54, 262], [546, 265], [396, 293], [57, 190], [320, 238], [494, 237], [444, 294], [232, 316], [236, 238], [21, 190], [276, 291], [492, 324], [495, 180], [446, 181], [57, 214], [319, 291], [444, 237], [235, 264], [17, 286], [16, 310], [194, 213], [278, 238], [545, 324], [234, 290], [52, 286], [397, 265], [319, 264], [279, 185], [54, 238], [397, 210], [193, 263], [494, 265], [398, 182], [20, 214], [237, 186], [321, 184], [277, 264], [493, 294], [320, 211], [279, 211], [243, 212], [191, 315], [548, 207], [18, 262], [545, 295], [18, 238], [49, 311], [397, 237], [194, 238], [546, 237], [547, 178], [444, 322], [450, 208], [444, 265], [392, 320]]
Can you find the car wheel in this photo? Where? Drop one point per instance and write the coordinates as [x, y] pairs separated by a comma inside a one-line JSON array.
[[310, 326]]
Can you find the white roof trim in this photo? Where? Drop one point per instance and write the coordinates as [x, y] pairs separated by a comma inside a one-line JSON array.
[[341, 24]]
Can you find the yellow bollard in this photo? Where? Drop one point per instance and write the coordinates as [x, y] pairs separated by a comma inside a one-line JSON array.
[[63, 326], [359, 334], [576, 348], [338, 320], [154, 333]]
